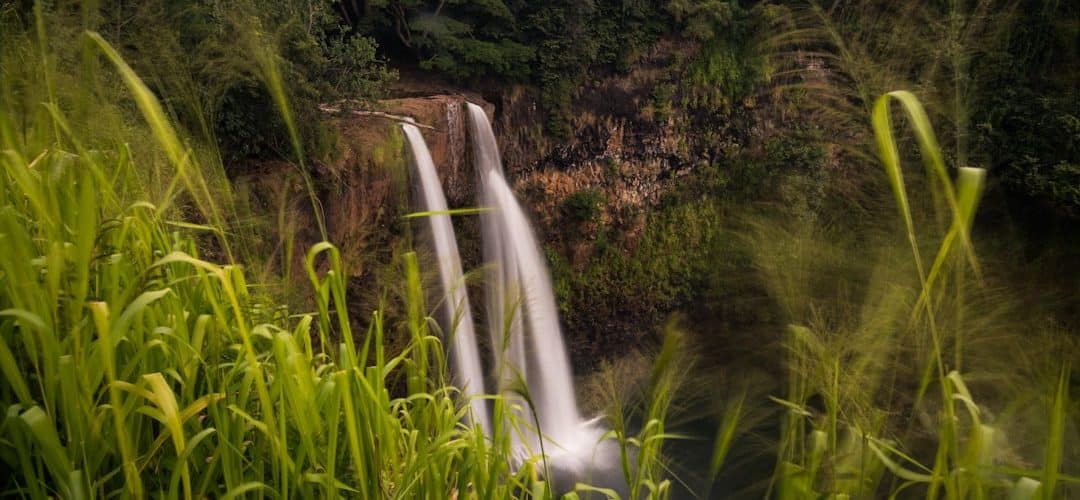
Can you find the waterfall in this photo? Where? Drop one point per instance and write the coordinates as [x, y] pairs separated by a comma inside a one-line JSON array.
[[524, 323], [522, 320], [456, 321]]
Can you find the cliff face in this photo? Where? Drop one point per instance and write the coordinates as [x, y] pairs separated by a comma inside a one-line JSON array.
[[626, 144], [363, 191], [442, 121], [625, 150]]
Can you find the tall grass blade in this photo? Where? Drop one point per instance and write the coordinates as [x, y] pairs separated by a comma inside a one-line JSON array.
[[1055, 440]]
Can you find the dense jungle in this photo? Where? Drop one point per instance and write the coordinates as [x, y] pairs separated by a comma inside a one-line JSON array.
[[793, 249]]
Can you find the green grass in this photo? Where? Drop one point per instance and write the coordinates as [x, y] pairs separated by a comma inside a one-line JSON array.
[[133, 366], [904, 378]]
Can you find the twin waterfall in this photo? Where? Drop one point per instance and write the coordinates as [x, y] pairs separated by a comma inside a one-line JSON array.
[[521, 317]]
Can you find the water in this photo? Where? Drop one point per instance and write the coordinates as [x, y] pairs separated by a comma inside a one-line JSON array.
[[522, 293], [456, 315], [522, 319], [524, 324]]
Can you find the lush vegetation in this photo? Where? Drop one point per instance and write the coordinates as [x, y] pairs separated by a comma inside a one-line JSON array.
[[888, 351], [135, 366], [204, 57], [998, 74]]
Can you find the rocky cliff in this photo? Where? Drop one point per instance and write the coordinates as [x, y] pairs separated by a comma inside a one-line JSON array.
[[363, 189], [628, 147], [622, 146]]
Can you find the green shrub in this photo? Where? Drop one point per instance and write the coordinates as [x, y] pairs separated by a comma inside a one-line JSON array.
[[583, 206], [554, 45], [1040, 149], [632, 286], [729, 67], [465, 40]]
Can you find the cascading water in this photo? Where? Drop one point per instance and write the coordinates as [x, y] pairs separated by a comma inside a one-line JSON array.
[[522, 319], [524, 325], [456, 321], [521, 303]]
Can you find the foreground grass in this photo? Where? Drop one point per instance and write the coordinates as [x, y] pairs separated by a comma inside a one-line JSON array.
[[134, 367], [917, 381]]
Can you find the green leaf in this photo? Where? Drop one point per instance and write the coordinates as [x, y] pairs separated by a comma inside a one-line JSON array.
[[27, 319], [897, 469], [43, 430], [119, 328], [13, 374]]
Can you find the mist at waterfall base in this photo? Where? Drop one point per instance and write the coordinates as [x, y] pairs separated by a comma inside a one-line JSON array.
[[522, 321]]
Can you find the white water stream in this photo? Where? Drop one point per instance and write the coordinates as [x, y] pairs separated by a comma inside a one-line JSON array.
[[522, 317], [529, 352], [457, 321]]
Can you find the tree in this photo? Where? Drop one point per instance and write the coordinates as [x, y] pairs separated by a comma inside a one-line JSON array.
[[462, 38], [200, 57]]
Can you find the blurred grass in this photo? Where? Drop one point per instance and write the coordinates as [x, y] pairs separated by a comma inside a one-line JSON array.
[[903, 379]]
